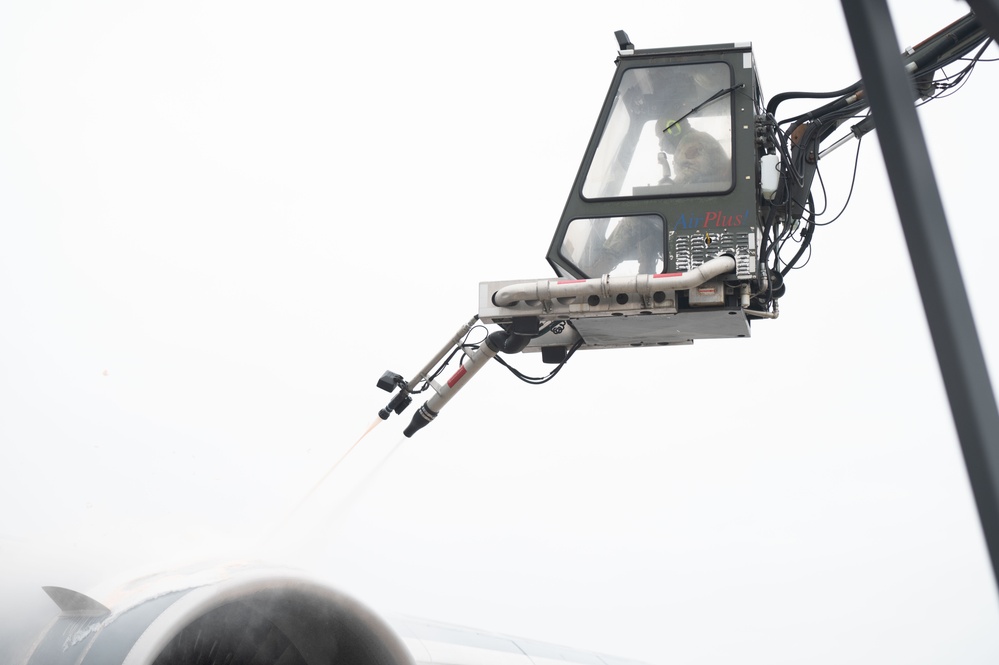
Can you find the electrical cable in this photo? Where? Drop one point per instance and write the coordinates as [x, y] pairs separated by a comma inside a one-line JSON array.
[[849, 194], [796, 140], [539, 380]]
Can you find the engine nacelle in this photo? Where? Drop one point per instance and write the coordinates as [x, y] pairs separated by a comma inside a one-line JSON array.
[[227, 615], [243, 614]]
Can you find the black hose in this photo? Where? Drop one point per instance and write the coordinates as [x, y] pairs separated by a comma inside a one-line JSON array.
[[784, 96], [502, 341]]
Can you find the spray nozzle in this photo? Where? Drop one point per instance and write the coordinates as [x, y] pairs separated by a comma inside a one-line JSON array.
[[388, 382]]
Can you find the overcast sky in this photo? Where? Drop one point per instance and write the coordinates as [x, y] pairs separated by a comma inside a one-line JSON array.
[[220, 222]]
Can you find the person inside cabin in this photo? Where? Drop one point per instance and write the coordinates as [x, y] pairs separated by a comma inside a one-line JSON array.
[[699, 161], [699, 164]]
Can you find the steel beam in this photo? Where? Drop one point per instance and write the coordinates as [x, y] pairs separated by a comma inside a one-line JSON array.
[[945, 301], [987, 12]]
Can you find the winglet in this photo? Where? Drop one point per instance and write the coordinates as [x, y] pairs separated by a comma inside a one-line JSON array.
[[75, 603]]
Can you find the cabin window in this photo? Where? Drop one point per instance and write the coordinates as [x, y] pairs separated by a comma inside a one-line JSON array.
[[669, 133], [629, 245]]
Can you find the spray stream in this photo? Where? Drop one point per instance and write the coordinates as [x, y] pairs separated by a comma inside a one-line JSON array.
[[308, 495]]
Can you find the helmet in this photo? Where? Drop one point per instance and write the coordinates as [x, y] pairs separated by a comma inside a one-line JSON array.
[[670, 132]]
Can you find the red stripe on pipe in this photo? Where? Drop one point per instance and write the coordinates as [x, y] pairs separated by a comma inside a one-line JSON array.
[[456, 378]]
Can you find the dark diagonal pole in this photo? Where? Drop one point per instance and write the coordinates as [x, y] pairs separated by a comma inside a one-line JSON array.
[[987, 12], [948, 312]]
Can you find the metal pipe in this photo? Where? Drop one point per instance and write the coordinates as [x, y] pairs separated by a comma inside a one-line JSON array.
[[446, 349], [472, 363], [764, 315], [607, 285], [403, 397]]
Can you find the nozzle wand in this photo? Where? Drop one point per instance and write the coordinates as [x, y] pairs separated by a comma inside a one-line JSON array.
[[421, 419], [495, 342], [389, 381], [472, 363]]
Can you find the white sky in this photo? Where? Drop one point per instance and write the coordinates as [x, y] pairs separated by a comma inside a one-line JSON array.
[[221, 222]]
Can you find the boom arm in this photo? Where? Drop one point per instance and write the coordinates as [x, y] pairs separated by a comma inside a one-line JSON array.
[[557, 317]]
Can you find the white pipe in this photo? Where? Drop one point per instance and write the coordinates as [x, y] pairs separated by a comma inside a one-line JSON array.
[[554, 289], [455, 340]]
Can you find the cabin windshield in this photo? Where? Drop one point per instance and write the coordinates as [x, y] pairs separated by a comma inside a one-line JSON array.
[[669, 133]]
